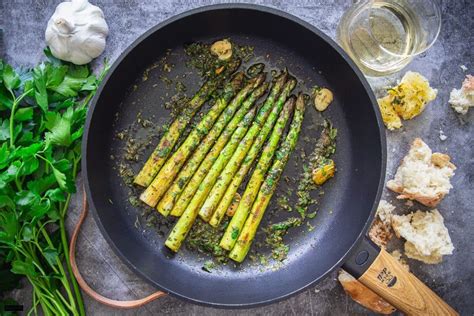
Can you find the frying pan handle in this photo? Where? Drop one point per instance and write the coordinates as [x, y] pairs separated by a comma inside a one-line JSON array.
[[83, 284], [383, 274]]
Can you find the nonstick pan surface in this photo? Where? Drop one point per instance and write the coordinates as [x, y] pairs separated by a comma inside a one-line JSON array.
[[344, 211]]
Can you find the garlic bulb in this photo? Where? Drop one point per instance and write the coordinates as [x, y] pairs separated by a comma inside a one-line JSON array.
[[76, 32]]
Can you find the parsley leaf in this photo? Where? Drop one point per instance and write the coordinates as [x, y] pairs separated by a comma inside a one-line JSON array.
[[59, 127], [69, 87], [24, 114], [5, 99], [4, 129], [26, 268], [11, 80], [41, 95], [42, 115]]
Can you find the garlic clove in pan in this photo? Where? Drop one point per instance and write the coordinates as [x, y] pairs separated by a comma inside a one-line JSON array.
[[222, 49], [322, 98]]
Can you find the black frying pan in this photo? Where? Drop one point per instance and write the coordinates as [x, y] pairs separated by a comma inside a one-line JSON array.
[[345, 211]]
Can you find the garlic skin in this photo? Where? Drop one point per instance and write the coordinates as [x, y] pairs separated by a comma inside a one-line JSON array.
[[76, 32]]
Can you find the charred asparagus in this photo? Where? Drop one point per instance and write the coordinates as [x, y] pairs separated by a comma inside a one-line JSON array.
[[263, 163], [265, 192], [228, 167], [165, 176], [169, 139], [206, 165], [245, 154], [168, 200], [182, 227]]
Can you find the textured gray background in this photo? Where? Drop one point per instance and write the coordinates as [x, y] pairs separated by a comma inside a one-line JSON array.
[[23, 23]]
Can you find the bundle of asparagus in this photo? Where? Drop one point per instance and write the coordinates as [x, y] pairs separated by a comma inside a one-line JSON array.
[[167, 142], [166, 174], [202, 175], [265, 193]]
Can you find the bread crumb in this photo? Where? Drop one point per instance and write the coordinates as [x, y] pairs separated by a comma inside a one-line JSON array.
[[409, 203], [422, 175], [464, 68], [463, 99], [427, 238], [442, 136]]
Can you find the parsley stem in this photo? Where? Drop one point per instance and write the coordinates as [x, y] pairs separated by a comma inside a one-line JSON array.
[[62, 228], [45, 306], [68, 305], [64, 279], [18, 184], [16, 101], [34, 305]]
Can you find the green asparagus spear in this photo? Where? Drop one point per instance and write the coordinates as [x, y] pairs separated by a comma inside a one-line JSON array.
[[168, 200], [251, 190], [267, 189], [165, 176], [197, 188], [231, 148], [203, 170], [182, 227], [263, 163], [253, 142], [169, 139]]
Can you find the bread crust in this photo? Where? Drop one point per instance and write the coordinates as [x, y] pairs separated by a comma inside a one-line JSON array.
[[380, 233]]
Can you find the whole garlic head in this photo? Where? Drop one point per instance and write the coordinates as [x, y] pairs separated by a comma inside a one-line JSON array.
[[76, 32]]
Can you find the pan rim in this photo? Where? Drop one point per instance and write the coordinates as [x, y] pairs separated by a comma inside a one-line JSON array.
[[315, 31]]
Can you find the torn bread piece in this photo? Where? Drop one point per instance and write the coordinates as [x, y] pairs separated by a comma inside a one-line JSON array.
[[406, 100], [380, 232], [463, 99], [414, 93], [363, 295], [423, 176], [427, 238]]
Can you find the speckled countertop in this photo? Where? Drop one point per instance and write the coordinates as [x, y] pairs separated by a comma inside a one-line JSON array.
[[23, 23]]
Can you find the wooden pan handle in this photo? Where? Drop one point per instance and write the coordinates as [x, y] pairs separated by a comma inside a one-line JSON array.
[[390, 280], [384, 275]]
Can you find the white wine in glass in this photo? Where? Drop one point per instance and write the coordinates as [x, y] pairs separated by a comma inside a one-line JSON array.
[[383, 36]]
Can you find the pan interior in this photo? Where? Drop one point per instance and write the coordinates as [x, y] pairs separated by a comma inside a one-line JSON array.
[[343, 210]]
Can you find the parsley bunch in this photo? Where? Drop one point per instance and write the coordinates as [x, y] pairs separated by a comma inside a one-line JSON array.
[[42, 114]]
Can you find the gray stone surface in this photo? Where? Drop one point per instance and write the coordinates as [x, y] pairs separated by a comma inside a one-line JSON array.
[[24, 21]]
